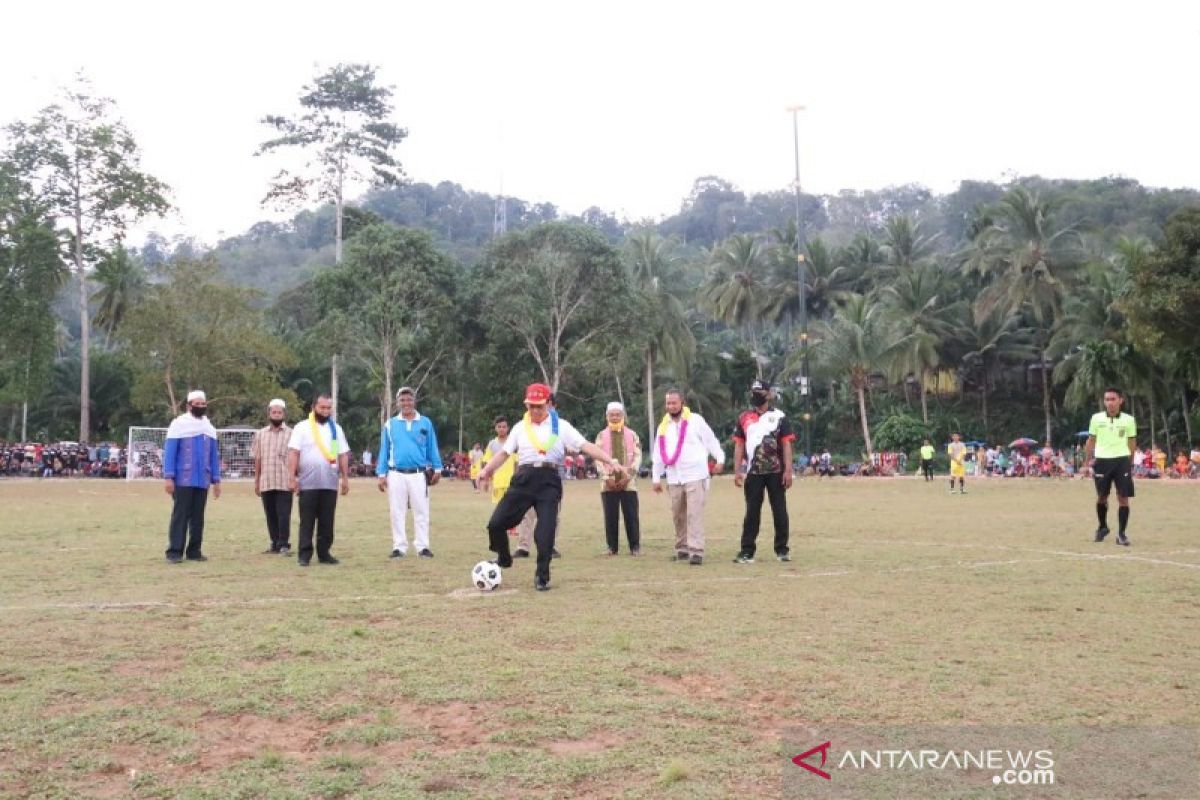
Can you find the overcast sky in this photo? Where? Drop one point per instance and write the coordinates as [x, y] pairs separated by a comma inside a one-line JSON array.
[[623, 104]]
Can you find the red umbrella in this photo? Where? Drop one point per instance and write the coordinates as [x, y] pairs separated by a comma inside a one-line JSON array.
[[1024, 443]]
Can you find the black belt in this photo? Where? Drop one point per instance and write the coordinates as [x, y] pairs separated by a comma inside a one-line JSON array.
[[540, 465], [408, 470]]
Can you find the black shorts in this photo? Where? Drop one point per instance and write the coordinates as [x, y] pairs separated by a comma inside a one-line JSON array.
[[1109, 472]]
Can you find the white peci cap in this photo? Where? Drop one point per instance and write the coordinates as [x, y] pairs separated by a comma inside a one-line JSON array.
[[614, 406], [196, 394], [276, 402]]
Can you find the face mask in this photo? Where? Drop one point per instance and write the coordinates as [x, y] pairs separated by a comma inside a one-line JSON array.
[[275, 423], [321, 418], [758, 398], [198, 411]]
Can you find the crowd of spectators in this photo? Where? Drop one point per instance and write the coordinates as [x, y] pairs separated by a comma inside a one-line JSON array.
[[61, 460]]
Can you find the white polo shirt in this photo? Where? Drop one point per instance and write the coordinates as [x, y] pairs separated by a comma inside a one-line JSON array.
[[518, 442]]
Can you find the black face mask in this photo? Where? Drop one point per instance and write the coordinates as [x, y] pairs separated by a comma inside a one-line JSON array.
[[320, 418], [275, 423], [758, 398], [198, 411]]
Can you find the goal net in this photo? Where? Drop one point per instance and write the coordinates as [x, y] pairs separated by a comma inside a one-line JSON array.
[[144, 455]]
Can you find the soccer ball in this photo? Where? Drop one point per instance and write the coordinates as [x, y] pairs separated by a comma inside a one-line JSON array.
[[486, 576]]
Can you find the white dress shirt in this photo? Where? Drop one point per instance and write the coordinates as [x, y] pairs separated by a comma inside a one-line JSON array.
[[699, 445], [518, 442]]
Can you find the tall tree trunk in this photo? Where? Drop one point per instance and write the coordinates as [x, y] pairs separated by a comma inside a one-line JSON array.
[[1187, 423], [649, 394], [85, 376], [1153, 435], [337, 259], [385, 408], [333, 384], [862, 413], [924, 400], [462, 399], [1045, 387], [25, 407], [617, 375], [987, 433], [1166, 430]]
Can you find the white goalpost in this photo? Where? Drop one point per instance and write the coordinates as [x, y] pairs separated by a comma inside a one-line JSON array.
[[144, 454]]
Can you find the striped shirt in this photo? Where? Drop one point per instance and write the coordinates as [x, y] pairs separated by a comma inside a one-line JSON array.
[[270, 451]]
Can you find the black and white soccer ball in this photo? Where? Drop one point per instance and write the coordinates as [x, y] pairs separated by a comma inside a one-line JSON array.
[[486, 576]]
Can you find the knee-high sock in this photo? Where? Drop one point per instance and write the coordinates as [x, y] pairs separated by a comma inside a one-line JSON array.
[[1102, 514], [1122, 518]]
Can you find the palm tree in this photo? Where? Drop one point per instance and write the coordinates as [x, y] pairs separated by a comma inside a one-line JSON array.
[[919, 302], [852, 347], [993, 340], [828, 279], [738, 287], [904, 246], [658, 273], [1030, 264], [123, 283]]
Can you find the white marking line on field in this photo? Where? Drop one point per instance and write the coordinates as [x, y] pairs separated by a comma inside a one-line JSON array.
[[255, 601], [1015, 549]]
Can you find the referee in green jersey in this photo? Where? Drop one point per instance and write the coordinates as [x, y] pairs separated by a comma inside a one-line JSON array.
[[1112, 438]]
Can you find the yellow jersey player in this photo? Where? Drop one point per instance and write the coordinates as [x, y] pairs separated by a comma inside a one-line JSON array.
[[957, 451]]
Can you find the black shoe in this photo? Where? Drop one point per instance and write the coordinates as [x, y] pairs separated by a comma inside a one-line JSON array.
[[174, 560], [396, 554], [503, 562], [328, 560], [270, 551], [197, 558], [744, 558], [1123, 540], [612, 552], [521, 553], [541, 584], [285, 551], [426, 553], [696, 561], [784, 556], [554, 553], [635, 552], [303, 562], [1101, 533]]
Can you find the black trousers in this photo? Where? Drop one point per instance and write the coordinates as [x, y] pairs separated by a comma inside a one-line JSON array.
[[277, 505], [615, 504], [536, 488], [754, 487], [927, 468], [187, 515], [316, 509]]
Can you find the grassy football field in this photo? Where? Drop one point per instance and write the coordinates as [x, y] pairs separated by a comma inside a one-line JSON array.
[[245, 676]]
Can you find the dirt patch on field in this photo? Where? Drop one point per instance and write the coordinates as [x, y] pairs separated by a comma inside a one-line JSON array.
[[149, 667], [222, 740], [691, 685], [596, 743]]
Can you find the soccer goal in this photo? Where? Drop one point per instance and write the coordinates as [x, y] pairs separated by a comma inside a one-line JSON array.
[[144, 455]]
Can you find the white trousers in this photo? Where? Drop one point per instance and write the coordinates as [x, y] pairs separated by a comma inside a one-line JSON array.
[[407, 491]]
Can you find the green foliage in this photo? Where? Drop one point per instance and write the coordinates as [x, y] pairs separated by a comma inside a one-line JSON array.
[[901, 432], [194, 331], [389, 305], [1166, 287]]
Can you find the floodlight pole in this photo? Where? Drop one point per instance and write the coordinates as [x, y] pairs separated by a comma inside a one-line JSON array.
[[805, 386]]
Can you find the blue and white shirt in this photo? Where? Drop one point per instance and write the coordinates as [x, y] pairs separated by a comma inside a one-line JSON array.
[[408, 444], [192, 458]]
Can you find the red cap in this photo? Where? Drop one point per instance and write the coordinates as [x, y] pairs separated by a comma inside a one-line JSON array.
[[537, 393]]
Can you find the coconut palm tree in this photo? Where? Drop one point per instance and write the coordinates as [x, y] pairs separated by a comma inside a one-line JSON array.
[[992, 341], [738, 287], [122, 283], [852, 347], [920, 302], [658, 274], [1031, 264]]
